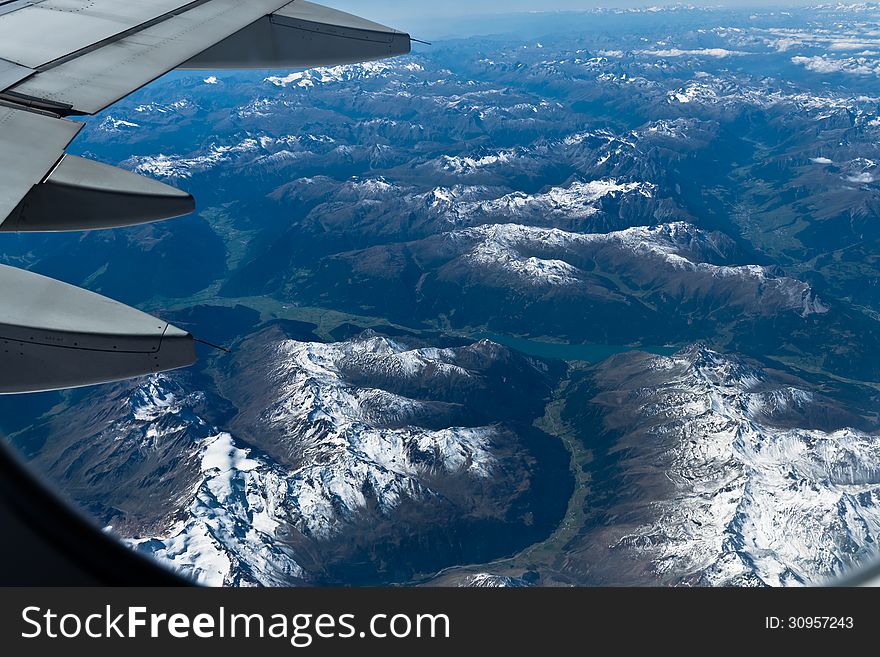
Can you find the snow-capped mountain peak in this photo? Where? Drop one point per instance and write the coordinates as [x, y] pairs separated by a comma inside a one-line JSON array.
[[359, 450], [750, 500]]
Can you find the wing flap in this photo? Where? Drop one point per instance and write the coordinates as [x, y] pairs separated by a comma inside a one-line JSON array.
[[30, 146]]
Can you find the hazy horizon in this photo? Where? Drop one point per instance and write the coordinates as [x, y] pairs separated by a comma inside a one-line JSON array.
[[465, 7], [435, 19]]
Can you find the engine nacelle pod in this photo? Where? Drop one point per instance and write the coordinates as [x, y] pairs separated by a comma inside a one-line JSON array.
[[55, 336]]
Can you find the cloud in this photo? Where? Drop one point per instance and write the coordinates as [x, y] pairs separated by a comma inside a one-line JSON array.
[[849, 65], [702, 52]]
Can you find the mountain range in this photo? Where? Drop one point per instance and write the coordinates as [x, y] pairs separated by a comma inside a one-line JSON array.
[[590, 301]]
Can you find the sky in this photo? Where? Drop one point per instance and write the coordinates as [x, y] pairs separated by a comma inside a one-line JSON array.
[[461, 7], [426, 18]]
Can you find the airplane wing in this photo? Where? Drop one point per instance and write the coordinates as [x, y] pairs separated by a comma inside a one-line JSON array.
[[60, 59]]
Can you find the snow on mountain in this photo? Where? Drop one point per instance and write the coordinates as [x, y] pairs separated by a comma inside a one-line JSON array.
[[675, 129], [230, 505], [379, 206], [489, 581], [692, 92], [502, 248], [463, 165], [349, 428], [726, 91], [602, 135], [347, 73], [177, 166], [358, 448], [260, 108], [158, 108], [158, 398], [228, 534], [677, 247], [577, 201], [112, 124], [751, 502]]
